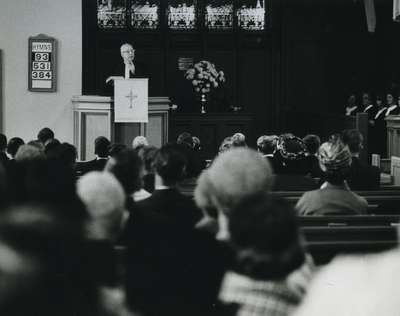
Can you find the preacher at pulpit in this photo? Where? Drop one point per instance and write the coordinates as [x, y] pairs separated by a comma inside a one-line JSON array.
[[125, 70]]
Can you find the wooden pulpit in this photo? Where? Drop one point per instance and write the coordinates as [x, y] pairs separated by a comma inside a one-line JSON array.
[[393, 135], [94, 116]]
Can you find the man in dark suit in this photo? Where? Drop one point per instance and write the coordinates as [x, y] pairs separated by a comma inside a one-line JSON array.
[[165, 260], [166, 204], [361, 175], [101, 147]]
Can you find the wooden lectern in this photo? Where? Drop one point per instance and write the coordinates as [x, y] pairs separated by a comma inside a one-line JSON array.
[[393, 135], [94, 116]]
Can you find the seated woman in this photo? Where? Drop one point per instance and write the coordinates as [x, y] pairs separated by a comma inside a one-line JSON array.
[[271, 270], [291, 165], [334, 197]]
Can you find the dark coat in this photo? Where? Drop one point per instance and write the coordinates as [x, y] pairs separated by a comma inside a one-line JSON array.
[[91, 165], [172, 269], [363, 176]]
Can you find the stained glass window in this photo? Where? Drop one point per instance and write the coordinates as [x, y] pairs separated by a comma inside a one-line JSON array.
[[111, 14], [251, 14], [182, 14], [219, 14], [145, 14]]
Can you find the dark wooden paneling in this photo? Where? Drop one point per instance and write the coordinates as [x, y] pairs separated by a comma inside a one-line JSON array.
[[211, 128]]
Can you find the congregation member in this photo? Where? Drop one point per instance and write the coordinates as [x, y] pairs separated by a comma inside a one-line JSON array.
[[266, 145], [334, 197], [42, 264], [226, 182], [312, 143], [239, 140], [104, 199], [165, 260], [361, 176], [166, 202], [238, 199], [115, 149], [148, 154], [194, 163], [291, 165], [45, 135], [139, 142], [226, 144], [271, 270], [101, 149], [127, 168], [12, 147], [363, 285]]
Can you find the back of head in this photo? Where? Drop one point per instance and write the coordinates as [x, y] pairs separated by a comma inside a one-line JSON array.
[[185, 139], [47, 276], [233, 175], [101, 146], [45, 134], [3, 142], [335, 161], [115, 149], [104, 199], [139, 142], [239, 140], [51, 147], [170, 163], [353, 139], [127, 167], [265, 234], [312, 143], [226, 144], [148, 154], [13, 145], [29, 153], [290, 155], [267, 144]]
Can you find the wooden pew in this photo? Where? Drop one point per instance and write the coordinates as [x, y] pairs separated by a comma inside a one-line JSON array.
[[324, 243], [349, 220]]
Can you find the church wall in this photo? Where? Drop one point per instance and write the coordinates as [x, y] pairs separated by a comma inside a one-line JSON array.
[[25, 112]]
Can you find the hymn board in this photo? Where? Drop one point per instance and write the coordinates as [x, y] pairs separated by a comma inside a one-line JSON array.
[[42, 64]]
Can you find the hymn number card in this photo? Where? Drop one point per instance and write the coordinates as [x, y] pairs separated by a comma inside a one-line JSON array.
[[42, 64]]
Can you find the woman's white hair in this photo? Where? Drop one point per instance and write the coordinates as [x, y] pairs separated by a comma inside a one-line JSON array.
[[234, 175]]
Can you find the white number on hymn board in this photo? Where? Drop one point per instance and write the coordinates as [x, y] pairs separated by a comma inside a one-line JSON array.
[[41, 65], [41, 56], [41, 74]]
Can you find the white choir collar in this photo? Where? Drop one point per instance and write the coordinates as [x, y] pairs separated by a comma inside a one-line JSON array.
[[380, 112], [368, 107], [349, 110], [390, 109]]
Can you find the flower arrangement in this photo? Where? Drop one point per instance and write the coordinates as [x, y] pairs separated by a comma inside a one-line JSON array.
[[204, 76]]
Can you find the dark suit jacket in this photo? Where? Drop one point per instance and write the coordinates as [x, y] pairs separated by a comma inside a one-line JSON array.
[[172, 269], [363, 176], [169, 207], [91, 165]]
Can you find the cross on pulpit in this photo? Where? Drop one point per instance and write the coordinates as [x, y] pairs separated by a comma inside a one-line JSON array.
[[131, 97]]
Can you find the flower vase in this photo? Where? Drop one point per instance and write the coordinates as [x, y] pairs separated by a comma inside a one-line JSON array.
[[203, 101]]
